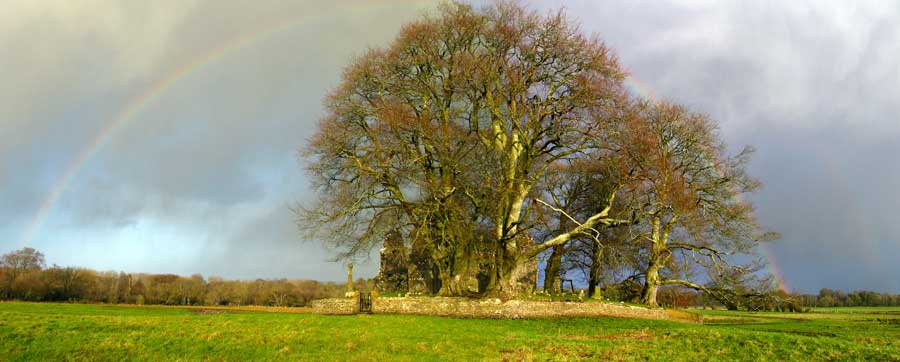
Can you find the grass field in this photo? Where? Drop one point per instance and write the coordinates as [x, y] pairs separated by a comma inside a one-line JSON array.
[[57, 332]]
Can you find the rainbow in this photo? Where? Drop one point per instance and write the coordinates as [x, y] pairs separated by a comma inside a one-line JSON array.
[[138, 104], [638, 88], [773, 269]]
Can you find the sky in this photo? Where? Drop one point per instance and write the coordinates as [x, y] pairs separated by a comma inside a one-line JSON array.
[[162, 136]]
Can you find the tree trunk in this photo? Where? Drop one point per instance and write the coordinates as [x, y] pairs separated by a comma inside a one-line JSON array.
[[511, 266], [502, 282], [507, 277], [506, 285], [436, 280], [651, 284], [551, 271], [596, 269], [445, 280], [651, 281]]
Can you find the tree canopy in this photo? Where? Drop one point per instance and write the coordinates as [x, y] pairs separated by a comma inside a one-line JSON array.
[[486, 137]]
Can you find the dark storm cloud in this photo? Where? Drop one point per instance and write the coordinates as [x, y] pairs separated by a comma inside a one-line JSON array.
[[201, 178]]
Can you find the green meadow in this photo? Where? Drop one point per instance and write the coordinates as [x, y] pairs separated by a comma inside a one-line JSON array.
[[73, 332]]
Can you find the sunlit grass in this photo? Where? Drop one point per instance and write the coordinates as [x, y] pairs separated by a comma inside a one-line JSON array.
[[31, 332]]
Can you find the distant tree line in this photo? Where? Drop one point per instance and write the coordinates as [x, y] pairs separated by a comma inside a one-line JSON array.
[[780, 300], [836, 298], [24, 276]]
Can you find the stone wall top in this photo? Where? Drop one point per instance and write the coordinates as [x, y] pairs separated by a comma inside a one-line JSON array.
[[495, 308]]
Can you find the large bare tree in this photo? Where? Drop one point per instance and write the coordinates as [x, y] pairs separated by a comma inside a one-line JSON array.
[[453, 128], [689, 193]]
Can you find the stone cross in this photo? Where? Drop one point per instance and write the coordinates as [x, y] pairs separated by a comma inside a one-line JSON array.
[[350, 276]]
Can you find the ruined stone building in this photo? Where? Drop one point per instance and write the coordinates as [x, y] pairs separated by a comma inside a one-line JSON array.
[[405, 269], [393, 276]]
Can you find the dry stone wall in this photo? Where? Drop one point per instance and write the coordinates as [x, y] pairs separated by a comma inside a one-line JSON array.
[[494, 308], [335, 306]]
